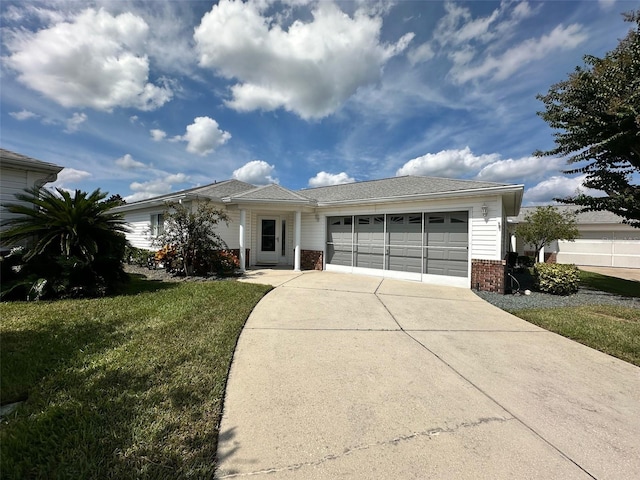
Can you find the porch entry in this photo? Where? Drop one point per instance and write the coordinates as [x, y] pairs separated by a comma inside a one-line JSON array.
[[272, 241]]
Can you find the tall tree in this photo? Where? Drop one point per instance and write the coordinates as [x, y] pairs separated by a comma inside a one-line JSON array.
[[597, 113], [546, 225]]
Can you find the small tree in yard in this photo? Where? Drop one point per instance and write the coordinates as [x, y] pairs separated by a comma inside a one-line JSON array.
[[545, 225], [192, 234], [597, 114]]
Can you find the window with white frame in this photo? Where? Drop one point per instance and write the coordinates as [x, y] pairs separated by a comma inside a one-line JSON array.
[[157, 224]]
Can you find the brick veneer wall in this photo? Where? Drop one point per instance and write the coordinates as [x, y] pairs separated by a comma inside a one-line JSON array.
[[311, 260], [488, 275]]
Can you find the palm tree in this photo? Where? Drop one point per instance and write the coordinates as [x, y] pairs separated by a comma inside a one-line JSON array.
[[74, 241], [73, 226]]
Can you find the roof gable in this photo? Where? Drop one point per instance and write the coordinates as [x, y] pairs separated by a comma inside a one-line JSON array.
[[272, 192]]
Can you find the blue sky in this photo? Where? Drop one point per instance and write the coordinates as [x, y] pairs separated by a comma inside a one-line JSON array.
[[143, 98]]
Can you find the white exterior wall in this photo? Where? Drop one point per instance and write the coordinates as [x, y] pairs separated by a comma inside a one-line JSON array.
[[139, 221], [15, 180]]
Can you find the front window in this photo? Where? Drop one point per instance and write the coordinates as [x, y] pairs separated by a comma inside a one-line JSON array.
[[157, 224]]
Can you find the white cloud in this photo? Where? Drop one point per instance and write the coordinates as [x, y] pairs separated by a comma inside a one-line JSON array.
[[487, 167], [558, 186], [128, 163], [519, 169], [421, 54], [447, 163], [94, 60], [23, 115], [155, 187], [323, 179], [257, 172], [504, 65], [310, 68], [73, 123], [69, 176], [203, 136], [606, 4], [157, 134]]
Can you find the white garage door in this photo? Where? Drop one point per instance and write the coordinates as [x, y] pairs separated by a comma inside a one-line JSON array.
[[603, 249]]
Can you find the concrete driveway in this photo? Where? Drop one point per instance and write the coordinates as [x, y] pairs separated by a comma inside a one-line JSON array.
[[348, 376]]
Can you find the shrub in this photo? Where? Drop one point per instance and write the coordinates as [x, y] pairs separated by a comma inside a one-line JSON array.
[[138, 256], [224, 262], [74, 245], [556, 279]]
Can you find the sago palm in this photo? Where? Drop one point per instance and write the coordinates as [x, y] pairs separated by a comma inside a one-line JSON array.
[[56, 222]]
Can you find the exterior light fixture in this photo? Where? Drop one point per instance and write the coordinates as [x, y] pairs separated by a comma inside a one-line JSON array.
[[485, 211]]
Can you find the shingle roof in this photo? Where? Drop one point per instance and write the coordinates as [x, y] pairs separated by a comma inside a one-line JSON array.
[[272, 192], [581, 217], [222, 189], [9, 157], [394, 187]]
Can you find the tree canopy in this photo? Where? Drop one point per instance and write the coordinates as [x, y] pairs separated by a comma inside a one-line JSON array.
[[192, 233], [597, 114], [546, 225]]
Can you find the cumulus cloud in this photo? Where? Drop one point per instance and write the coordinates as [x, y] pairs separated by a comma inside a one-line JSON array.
[[69, 176], [310, 68], [486, 167], [518, 169], [558, 186], [155, 187], [128, 163], [23, 115], [157, 134], [257, 172], [323, 179], [203, 136], [93, 60], [447, 163], [73, 123]]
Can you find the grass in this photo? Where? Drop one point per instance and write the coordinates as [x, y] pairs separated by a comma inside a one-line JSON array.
[[608, 328], [123, 387], [617, 286]]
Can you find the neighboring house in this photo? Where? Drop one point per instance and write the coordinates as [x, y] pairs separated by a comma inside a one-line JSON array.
[[604, 241], [435, 230], [18, 172]]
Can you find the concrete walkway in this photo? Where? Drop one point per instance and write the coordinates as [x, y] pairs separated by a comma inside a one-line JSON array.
[[357, 377]]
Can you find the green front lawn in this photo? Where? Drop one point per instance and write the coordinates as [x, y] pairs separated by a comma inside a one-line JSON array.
[[611, 329], [123, 387]]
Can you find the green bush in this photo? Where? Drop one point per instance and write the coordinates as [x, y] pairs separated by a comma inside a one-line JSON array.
[[557, 279], [138, 256]]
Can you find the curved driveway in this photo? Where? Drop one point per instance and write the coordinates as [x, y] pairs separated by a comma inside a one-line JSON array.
[[349, 376]]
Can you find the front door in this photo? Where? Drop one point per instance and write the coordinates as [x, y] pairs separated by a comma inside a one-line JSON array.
[[268, 240]]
